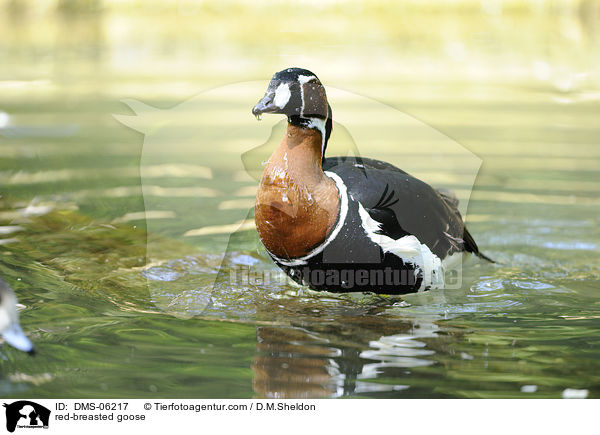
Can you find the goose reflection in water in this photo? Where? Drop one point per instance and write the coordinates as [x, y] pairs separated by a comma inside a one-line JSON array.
[[295, 362]]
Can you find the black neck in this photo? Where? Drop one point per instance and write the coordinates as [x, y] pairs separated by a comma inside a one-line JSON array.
[[301, 122], [298, 121]]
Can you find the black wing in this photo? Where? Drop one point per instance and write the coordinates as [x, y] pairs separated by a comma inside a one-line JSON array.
[[405, 205], [468, 242]]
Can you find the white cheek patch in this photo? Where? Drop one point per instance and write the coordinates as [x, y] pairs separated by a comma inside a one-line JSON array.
[[282, 95]]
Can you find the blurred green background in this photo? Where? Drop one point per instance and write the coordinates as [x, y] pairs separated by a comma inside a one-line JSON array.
[[517, 83]]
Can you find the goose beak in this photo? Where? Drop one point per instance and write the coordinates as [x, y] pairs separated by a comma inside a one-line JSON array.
[[15, 336], [266, 105]]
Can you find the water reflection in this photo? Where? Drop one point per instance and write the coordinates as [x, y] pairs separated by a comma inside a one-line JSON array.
[[309, 344], [510, 326], [292, 363], [336, 360]]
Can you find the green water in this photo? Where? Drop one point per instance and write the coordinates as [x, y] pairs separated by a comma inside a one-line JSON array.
[[121, 306]]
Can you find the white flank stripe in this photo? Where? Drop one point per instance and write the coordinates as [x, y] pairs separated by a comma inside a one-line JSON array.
[[407, 248]]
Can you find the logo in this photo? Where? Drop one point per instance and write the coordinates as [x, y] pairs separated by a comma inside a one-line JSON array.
[[26, 414]]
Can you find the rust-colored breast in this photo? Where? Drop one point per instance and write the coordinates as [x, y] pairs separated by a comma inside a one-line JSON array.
[[292, 218], [296, 204]]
